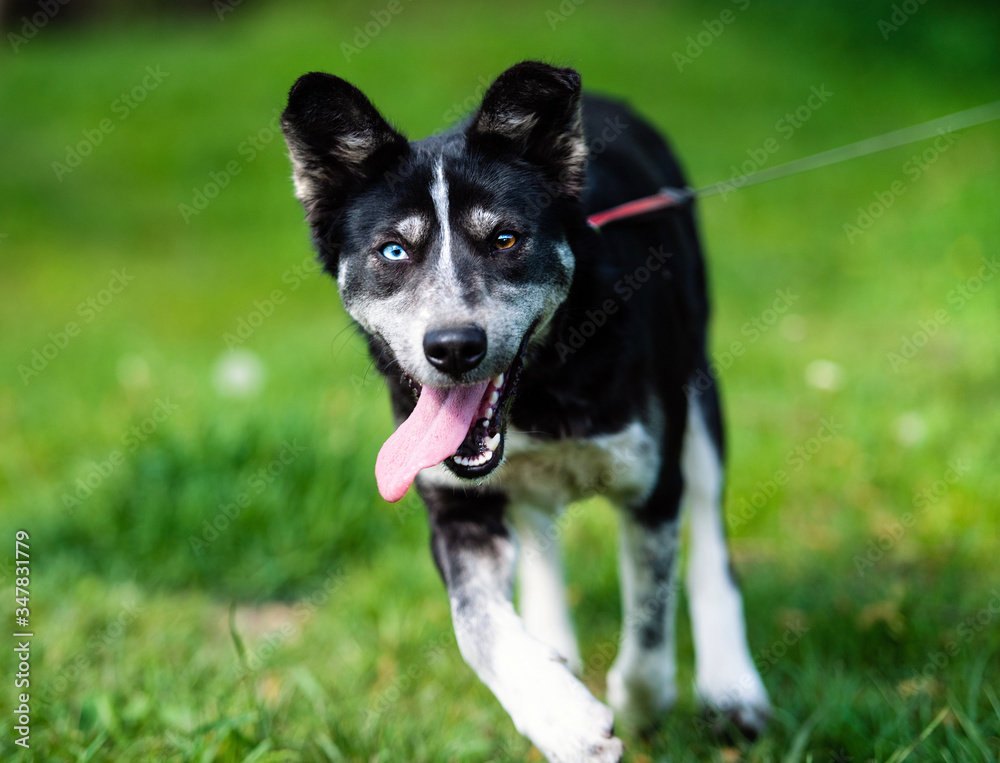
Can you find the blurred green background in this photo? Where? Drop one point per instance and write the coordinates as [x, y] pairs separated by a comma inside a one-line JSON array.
[[189, 422]]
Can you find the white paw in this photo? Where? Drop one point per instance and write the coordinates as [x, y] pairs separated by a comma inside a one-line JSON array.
[[562, 717], [642, 688], [742, 702], [589, 736], [638, 702]]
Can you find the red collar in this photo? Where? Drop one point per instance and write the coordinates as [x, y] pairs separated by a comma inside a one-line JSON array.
[[665, 198]]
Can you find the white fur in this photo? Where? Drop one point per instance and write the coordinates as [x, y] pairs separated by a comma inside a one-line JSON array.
[[542, 592], [439, 194], [566, 259], [726, 678], [413, 228], [545, 472], [553, 473], [482, 222], [532, 682]]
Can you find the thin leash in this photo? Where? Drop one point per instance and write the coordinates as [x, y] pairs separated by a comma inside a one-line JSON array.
[[675, 198]]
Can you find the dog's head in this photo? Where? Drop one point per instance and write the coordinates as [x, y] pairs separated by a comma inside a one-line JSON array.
[[451, 252]]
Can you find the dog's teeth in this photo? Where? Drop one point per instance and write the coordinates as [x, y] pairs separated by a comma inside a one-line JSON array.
[[494, 397], [479, 460], [489, 413], [493, 443], [498, 380]]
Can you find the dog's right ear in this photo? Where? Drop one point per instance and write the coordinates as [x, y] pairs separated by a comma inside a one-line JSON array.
[[337, 140]]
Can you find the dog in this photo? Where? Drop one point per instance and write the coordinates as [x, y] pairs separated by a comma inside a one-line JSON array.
[[532, 361]]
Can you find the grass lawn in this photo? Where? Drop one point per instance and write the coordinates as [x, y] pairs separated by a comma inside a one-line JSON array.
[[189, 422]]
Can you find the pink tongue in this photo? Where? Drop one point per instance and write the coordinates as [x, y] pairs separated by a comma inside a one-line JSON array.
[[431, 434]]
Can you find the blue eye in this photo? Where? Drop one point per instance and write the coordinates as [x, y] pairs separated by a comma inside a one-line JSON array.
[[394, 252]]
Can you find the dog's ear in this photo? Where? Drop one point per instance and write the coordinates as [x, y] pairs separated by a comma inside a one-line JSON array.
[[337, 141], [534, 109]]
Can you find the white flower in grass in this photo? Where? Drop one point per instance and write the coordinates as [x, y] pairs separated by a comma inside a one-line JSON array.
[[825, 374], [910, 429], [133, 372], [793, 327], [239, 374]]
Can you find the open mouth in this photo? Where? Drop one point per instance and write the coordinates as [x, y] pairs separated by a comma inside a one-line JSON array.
[[461, 426], [482, 449]]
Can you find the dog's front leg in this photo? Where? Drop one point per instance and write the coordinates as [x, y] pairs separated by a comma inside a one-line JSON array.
[[476, 556]]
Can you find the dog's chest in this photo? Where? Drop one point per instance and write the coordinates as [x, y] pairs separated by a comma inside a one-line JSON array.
[[551, 473]]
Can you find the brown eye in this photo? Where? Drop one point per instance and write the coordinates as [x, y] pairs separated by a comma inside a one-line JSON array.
[[505, 240]]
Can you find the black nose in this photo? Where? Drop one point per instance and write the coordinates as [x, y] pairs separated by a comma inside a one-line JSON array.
[[455, 350]]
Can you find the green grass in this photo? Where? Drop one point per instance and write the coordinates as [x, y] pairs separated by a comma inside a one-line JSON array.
[[340, 647]]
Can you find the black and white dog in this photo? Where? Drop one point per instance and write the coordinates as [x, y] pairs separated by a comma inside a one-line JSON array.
[[531, 362]]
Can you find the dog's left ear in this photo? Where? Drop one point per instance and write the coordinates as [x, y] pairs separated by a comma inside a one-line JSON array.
[[534, 109]]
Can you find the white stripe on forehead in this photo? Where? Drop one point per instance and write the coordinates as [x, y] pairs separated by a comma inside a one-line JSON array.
[[439, 194]]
